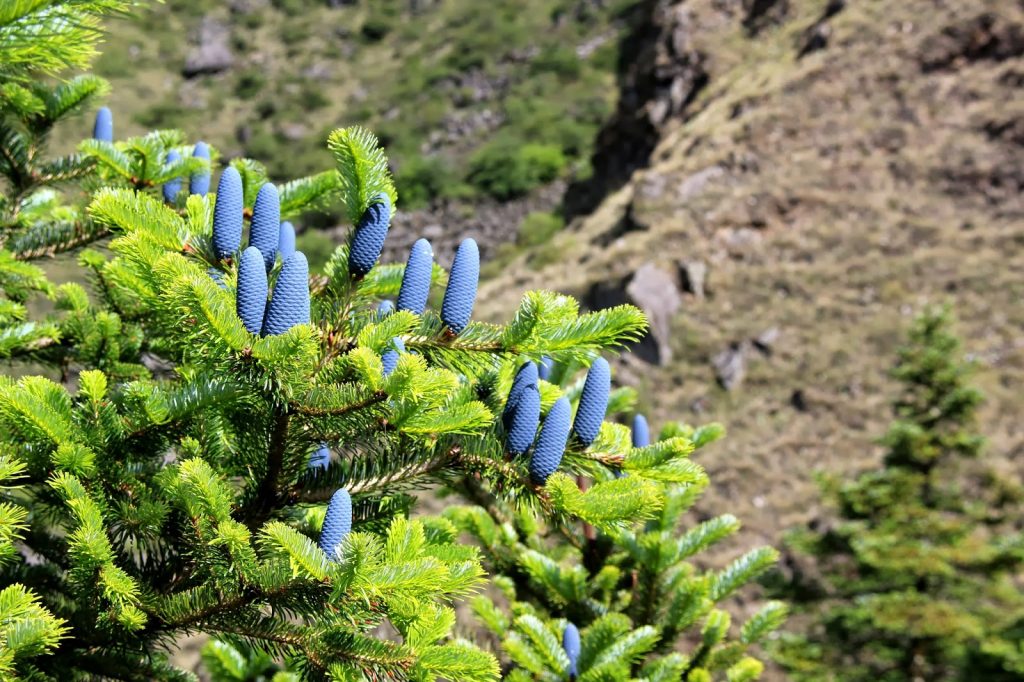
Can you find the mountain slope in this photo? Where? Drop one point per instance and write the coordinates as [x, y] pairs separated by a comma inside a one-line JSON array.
[[834, 167]]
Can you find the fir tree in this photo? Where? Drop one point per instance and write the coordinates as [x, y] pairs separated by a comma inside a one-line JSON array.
[[919, 572], [164, 485]]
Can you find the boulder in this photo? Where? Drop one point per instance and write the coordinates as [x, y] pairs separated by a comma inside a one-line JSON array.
[[211, 52], [653, 289], [731, 365]]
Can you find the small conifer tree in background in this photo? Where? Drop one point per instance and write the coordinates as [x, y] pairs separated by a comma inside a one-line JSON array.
[[918, 577]]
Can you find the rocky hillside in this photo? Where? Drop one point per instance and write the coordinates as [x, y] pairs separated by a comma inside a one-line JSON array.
[[481, 105], [784, 183]]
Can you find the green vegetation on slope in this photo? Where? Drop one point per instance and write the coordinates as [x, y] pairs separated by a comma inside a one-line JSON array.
[[470, 98]]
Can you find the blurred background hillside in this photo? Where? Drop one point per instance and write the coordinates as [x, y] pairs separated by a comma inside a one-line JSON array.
[[780, 184]]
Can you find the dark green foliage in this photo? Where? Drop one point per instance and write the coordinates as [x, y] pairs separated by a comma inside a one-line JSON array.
[[538, 228], [916, 575], [505, 169]]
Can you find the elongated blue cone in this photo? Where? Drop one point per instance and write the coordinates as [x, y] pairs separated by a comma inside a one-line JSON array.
[[641, 432], [103, 128], [337, 524], [461, 292], [523, 422], [172, 187], [251, 301], [546, 365], [265, 228], [526, 376], [412, 295], [571, 644], [547, 453], [289, 304], [369, 237], [390, 357], [227, 214], [286, 241], [593, 401], [385, 308], [200, 182], [320, 459]]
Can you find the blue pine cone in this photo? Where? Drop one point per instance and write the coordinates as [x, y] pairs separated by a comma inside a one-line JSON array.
[[289, 304], [227, 214], [265, 228], [200, 182], [641, 432], [525, 376], [172, 187], [546, 365], [462, 282], [385, 308], [368, 240], [593, 401], [523, 421], [103, 128], [415, 289], [390, 357], [251, 299], [571, 644], [286, 241], [321, 458], [547, 452], [337, 524]]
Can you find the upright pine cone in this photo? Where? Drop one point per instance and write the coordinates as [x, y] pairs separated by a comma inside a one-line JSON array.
[[103, 128], [337, 524], [571, 645], [368, 241], [460, 295], [265, 228], [525, 376], [289, 304], [200, 182], [227, 214], [641, 432], [286, 241], [550, 446], [321, 458], [172, 187], [415, 289], [251, 298], [593, 401], [390, 357], [546, 365], [523, 421]]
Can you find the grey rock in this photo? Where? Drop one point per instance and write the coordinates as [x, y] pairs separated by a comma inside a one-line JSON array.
[[694, 274], [656, 292], [211, 52], [731, 366], [766, 340], [693, 185]]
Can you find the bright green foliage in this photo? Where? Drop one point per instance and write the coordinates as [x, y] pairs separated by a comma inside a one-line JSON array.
[[161, 487], [46, 36], [637, 594], [919, 573]]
